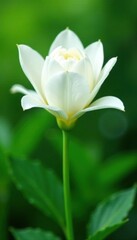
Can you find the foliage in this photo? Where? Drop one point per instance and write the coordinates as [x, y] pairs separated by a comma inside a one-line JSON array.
[[33, 234], [103, 149], [41, 187], [109, 215]]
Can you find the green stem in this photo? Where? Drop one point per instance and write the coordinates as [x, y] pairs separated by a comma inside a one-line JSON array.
[[69, 227]]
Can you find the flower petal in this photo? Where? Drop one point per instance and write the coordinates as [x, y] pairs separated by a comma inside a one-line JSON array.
[[32, 100], [67, 91], [57, 112], [19, 88], [67, 39], [84, 68], [50, 68], [104, 102], [103, 75], [107, 68], [32, 64], [96, 55]]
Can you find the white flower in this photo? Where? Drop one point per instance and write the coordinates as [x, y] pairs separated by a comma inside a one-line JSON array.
[[67, 80]]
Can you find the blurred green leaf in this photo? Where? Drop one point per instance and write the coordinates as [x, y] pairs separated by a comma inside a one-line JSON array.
[[33, 234], [110, 214], [4, 194], [40, 186], [85, 162], [29, 132], [105, 232], [5, 132], [117, 168], [4, 177]]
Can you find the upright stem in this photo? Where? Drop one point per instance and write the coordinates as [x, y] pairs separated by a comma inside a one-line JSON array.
[[69, 227]]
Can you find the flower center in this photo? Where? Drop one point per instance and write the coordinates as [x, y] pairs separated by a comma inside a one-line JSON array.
[[70, 54], [66, 54], [66, 57]]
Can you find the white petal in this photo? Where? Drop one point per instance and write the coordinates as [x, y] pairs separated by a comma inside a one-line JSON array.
[[57, 112], [107, 68], [67, 91], [50, 68], [32, 100], [104, 102], [67, 39], [32, 64], [19, 88], [103, 75], [84, 68], [96, 55]]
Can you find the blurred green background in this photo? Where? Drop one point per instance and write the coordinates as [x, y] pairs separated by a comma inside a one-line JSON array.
[[103, 145]]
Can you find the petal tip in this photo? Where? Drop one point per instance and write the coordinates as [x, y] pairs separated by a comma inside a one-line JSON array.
[[13, 89], [99, 41], [123, 108], [22, 47], [115, 59]]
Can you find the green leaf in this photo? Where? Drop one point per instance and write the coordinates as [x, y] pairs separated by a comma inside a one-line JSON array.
[[29, 132], [117, 167], [33, 234], [40, 186], [4, 176], [105, 232], [110, 214], [4, 193]]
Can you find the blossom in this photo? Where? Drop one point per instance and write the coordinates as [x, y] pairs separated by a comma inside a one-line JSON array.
[[67, 80]]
